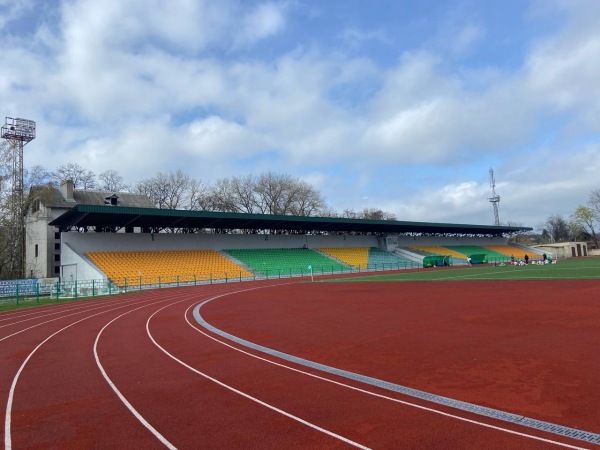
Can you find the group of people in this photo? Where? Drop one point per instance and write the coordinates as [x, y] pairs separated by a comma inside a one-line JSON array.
[[525, 261]]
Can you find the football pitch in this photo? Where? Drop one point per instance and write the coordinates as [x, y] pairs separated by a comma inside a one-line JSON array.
[[573, 269]]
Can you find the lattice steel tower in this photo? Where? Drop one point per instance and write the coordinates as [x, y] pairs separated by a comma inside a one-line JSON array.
[[18, 132], [495, 198]]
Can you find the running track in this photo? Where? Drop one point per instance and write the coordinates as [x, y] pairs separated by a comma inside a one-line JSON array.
[[138, 371]]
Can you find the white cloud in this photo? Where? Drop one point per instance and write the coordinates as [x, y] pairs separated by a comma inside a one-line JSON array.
[[563, 71], [159, 85], [464, 202], [215, 138], [354, 37], [265, 20]]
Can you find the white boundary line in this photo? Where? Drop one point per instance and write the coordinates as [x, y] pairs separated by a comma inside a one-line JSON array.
[[243, 394], [51, 309], [436, 411], [128, 405], [7, 417], [55, 319]]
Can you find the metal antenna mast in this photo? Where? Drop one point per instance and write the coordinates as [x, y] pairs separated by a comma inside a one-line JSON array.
[[19, 132], [495, 198]]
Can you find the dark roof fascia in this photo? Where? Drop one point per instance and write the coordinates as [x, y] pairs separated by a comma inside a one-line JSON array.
[[161, 218]]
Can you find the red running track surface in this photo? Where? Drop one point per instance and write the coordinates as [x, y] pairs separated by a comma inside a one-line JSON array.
[[509, 346]]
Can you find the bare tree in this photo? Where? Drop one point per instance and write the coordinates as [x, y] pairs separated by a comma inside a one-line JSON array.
[[558, 229], [584, 219], [594, 203], [112, 181], [234, 194], [37, 176], [281, 194], [10, 254], [306, 200], [198, 196], [243, 190], [369, 213], [151, 188], [166, 190], [82, 178], [272, 193], [221, 197]]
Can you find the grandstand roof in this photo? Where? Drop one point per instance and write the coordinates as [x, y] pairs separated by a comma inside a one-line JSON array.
[[53, 197], [116, 217]]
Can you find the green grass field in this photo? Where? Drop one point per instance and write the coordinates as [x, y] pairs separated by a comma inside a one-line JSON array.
[[575, 269]]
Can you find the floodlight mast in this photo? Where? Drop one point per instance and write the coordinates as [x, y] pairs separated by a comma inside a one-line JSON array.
[[18, 132], [495, 198]]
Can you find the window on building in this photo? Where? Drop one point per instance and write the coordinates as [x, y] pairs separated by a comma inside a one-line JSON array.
[[57, 246], [35, 206], [36, 250], [57, 270], [56, 258], [57, 235], [112, 200]]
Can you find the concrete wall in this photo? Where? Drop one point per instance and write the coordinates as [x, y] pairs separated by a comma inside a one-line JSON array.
[[37, 232], [76, 267]]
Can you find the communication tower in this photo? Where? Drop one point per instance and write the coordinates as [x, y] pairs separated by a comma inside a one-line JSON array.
[[495, 198], [18, 132]]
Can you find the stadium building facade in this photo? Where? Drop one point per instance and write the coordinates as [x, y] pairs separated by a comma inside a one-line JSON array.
[[63, 224]]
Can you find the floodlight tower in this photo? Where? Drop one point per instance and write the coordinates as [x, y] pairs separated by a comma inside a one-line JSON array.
[[495, 198], [18, 132]]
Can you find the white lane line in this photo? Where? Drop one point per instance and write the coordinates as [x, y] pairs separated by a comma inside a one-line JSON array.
[[128, 405], [76, 311], [364, 391], [11, 394], [42, 311], [55, 319], [249, 397]]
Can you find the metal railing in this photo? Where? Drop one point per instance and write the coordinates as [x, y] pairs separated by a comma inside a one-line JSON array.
[[94, 288]]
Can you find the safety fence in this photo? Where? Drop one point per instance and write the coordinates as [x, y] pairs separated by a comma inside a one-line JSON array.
[[36, 292]]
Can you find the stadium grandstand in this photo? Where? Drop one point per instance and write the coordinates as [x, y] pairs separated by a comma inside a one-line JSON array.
[[124, 239]]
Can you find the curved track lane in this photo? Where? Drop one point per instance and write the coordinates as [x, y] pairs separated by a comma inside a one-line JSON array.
[[137, 371]]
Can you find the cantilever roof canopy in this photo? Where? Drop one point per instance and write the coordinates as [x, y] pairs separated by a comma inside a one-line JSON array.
[[116, 217]]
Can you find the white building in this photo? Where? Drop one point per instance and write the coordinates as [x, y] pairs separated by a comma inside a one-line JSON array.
[[46, 203], [565, 250]]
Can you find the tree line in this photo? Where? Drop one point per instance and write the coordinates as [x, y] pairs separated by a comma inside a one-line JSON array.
[[267, 193], [581, 225]]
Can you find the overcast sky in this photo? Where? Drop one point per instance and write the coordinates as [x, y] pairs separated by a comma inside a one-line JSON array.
[[402, 105]]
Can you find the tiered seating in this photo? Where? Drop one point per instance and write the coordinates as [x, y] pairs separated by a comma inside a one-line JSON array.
[[469, 250], [380, 259], [436, 250], [152, 267], [286, 261], [355, 257]]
